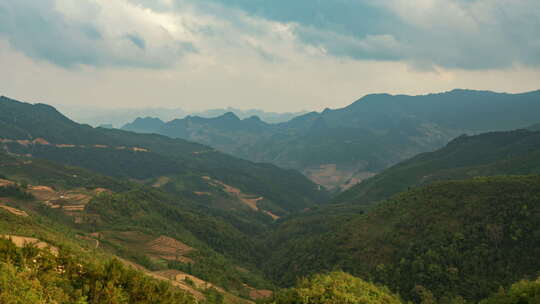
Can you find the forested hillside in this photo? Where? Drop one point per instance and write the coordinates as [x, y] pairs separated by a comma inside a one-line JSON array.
[[340, 147], [165, 234], [456, 238], [496, 153], [339, 288], [179, 166]]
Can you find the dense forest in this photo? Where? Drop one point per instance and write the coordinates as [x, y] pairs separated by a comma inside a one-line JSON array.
[[488, 154], [341, 288], [457, 238]]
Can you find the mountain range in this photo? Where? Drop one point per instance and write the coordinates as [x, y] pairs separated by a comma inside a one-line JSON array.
[[339, 148], [117, 117]]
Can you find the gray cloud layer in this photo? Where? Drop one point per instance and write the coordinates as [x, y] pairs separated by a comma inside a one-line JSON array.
[[40, 30], [463, 34], [467, 34]]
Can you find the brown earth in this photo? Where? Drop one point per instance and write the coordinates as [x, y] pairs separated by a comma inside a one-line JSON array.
[[42, 141], [5, 182], [247, 199], [21, 241], [14, 210], [257, 294], [163, 247], [136, 149], [102, 190], [72, 202], [167, 248], [179, 276], [201, 193], [273, 216], [195, 293], [331, 177], [161, 181]]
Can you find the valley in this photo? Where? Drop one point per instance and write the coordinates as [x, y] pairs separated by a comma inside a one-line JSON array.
[[269, 152], [445, 214]]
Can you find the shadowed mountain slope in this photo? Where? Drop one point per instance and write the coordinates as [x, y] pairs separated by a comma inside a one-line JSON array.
[[338, 148], [496, 153], [177, 165]]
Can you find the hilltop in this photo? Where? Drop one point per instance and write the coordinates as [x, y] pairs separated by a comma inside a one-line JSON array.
[[488, 154]]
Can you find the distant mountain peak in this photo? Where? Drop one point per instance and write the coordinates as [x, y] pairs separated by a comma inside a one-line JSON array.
[[253, 118], [148, 118], [144, 125], [229, 115]]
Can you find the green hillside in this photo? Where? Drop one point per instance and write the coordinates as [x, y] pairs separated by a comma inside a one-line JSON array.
[[151, 159], [514, 152], [138, 223], [456, 238], [341, 288], [57, 266]]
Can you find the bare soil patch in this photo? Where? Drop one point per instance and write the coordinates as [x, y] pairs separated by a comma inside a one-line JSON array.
[[197, 294], [167, 248], [257, 294], [332, 177], [249, 200], [5, 182], [21, 241], [14, 211], [161, 181]]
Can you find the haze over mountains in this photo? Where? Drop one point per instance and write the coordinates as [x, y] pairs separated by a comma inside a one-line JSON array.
[[338, 148], [118, 117]]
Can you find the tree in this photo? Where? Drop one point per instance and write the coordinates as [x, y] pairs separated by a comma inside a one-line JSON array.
[[523, 292], [335, 288]]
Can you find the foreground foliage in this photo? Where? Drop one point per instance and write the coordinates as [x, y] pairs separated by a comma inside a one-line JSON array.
[[523, 292], [335, 288], [31, 275], [341, 288]]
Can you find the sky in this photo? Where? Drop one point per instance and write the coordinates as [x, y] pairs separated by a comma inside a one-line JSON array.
[[275, 55]]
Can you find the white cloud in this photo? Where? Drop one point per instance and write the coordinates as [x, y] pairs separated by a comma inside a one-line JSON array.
[[94, 32], [205, 55]]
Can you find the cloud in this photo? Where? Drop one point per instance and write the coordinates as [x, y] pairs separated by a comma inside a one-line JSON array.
[[465, 34], [92, 32], [426, 34], [470, 34], [138, 41]]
